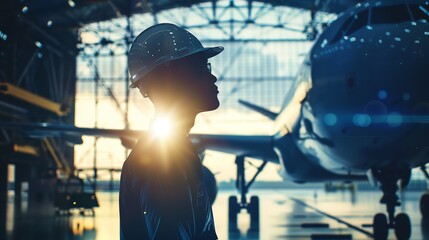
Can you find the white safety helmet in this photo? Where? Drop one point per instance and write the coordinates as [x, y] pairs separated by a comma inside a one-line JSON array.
[[160, 44]]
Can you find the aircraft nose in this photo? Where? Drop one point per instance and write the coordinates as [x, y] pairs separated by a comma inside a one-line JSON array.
[[379, 77]]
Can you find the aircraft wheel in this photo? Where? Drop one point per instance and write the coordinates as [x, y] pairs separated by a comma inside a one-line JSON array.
[[380, 226], [424, 205], [233, 208], [253, 209], [402, 226]]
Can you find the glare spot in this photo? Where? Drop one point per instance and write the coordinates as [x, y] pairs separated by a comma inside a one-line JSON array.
[[49, 23], [397, 39], [39, 55], [394, 119], [387, 33], [24, 9], [330, 119], [161, 127], [407, 30], [382, 94], [377, 4], [71, 3], [414, 23], [417, 41], [38, 44], [406, 97], [324, 43], [369, 27], [426, 33], [3, 35], [380, 41], [352, 39], [362, 120]]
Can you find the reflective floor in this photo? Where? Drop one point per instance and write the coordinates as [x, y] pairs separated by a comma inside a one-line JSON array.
[[285, 214]]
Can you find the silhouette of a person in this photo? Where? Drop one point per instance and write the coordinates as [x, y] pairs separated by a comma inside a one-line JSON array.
[[162, 194]]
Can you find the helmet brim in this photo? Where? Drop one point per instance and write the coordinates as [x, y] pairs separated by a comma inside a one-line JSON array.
[[207, 52]]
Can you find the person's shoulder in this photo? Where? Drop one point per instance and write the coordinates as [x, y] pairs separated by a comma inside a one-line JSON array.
[[143, 152]]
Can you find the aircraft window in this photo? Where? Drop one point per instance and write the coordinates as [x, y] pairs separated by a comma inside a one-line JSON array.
[[361, 20], [342, 30], [420, 13], [390, 14]]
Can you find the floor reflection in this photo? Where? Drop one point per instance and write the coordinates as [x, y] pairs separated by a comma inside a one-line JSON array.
[[281, 218], [244, 231]]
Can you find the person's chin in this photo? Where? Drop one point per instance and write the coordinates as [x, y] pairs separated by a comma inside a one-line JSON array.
[[210, 106]]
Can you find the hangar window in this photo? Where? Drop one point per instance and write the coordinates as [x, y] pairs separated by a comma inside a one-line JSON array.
[[420, 13], [390, 14]]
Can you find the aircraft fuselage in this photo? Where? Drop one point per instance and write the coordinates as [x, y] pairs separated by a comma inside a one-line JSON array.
[[360, 99]]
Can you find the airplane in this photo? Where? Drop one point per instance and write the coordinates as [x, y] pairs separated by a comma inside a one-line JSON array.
[[358, 109]]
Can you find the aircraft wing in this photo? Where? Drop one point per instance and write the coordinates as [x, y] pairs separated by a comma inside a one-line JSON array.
[[257, 146]]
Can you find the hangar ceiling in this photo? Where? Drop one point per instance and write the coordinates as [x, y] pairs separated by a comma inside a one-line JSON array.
[[76, 13]]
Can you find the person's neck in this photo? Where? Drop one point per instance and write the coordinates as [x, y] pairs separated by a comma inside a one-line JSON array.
[[181, 121]]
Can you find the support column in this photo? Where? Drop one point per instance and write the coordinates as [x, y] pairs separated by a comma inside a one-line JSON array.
[[18, 183], [3, 196]]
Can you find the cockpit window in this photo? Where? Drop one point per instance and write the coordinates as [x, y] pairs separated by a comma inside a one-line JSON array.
[[352, 24], [342, 30], [390, 14], [420, 13], [361, 20], [382, 15]]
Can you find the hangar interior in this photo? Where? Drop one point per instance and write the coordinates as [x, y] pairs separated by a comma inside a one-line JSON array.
[[64, 62]]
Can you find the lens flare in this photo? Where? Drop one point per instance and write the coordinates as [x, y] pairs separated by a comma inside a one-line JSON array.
[[161, 127]]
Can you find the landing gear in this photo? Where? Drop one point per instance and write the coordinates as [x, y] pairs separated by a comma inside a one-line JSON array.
[[424, 205], [253, 209], [388, 179], [234, 206], [424, 199], [381, 226], [233, 209], [402, 226]]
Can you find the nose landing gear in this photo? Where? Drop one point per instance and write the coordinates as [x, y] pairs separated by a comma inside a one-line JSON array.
[[252, 207], [388, 179], [424, 199]]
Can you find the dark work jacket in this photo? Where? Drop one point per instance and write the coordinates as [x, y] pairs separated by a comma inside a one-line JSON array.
[[162, 195]]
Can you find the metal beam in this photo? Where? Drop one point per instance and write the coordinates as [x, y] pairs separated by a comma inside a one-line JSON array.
[[29, 97]]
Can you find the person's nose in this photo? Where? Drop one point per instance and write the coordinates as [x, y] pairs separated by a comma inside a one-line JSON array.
[[213, 78]]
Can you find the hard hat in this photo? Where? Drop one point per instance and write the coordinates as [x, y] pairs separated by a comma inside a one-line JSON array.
[[160, 44]]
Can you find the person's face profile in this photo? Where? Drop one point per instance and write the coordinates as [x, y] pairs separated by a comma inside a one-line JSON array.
[[199, 84], [188, 81]]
